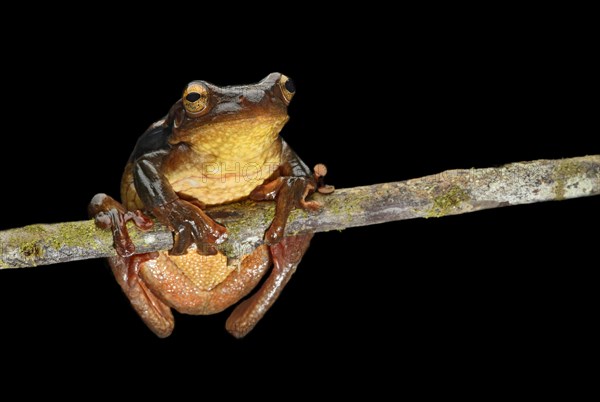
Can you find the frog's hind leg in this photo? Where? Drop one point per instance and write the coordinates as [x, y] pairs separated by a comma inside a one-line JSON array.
[[110, 214], [286, 256], [155, 314]]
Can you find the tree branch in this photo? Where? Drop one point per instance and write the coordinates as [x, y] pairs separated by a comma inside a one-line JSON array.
[[448, 193]]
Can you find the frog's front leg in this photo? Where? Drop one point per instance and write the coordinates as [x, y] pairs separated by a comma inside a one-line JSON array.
[[189, 224], [293, 183]]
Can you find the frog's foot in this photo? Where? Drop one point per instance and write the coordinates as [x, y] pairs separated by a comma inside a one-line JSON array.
[[290, 192], [110, 214], [190, 225]]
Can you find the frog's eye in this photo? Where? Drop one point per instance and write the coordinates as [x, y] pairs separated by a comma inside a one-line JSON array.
[[287, 88], [195, 98]]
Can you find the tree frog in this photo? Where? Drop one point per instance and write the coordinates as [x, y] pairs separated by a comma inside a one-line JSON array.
[[217, 145]]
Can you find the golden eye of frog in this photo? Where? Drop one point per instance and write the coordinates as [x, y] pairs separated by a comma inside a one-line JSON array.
[[216, 145]]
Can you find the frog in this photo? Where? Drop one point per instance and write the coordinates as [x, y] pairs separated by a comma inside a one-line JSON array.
[[217, 145]]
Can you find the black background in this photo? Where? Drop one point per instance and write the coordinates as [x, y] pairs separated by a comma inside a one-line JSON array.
[[500, 287]]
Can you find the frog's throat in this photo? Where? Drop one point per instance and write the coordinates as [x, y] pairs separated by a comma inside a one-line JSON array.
[[251, 139]]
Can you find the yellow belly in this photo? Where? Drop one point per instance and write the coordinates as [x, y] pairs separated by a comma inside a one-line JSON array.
[[211, 183], [210, 190], [219, 183]]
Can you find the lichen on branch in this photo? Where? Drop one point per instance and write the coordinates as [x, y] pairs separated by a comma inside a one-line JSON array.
[[448, 193]]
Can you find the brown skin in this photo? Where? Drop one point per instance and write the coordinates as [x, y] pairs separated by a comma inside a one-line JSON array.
[[216, 146]]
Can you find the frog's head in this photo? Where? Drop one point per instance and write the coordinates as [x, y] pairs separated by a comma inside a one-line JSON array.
[[248, 117]]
